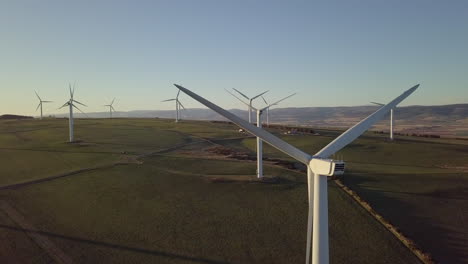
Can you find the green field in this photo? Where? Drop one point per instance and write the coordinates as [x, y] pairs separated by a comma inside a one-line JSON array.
[[167, 209]]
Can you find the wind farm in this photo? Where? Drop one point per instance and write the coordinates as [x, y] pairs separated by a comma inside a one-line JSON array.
[[234, 132]]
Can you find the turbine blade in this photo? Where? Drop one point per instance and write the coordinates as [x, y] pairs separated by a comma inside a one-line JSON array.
[[264, 135], [358, 129], [38, 106], [112, 101], [181, 104], [64, 105], [79, 103], [47, 101], [377, 103], [80, 110], [112, 108], [277, 102], [178, 92], [37, 96], [259, 95], [264, 100], [237, 97], [71, 93], [245, 96], [169, 100]]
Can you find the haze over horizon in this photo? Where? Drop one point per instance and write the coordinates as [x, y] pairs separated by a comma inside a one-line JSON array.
[[332, 53]]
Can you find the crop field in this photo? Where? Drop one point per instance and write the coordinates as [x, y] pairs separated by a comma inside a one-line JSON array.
[[147, 191]]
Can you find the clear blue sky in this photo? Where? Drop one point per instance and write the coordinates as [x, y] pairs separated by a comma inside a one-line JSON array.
[[330, 52]]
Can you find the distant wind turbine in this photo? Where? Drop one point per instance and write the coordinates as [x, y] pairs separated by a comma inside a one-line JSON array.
[[71, 104], [273, 104], [250, 101], [319, 168], [259, 140], [40, 103], [178, 105], [391, 119], [111, 108]]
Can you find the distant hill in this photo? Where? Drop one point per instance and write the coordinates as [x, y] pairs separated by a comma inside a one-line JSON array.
[[15, 117], [448, 120]]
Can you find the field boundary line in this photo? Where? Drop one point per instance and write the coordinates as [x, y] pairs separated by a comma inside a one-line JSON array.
[[51, 178], [410, 244], [42, 241], [101, 167]]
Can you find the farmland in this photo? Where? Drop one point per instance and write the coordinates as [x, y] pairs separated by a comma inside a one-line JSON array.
[[150, 195]]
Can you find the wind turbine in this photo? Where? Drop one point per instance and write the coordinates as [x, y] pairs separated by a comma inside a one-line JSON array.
[[391, 119], [71, 104], [259, 141], [273, 104], [178, 105], [250, 101], [319, 168], [111, 108], [40, 103]]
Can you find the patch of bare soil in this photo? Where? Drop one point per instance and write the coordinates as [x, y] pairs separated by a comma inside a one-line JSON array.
[[239, 155], [129, 159], [230, 153], [457, 168], [21, 136]]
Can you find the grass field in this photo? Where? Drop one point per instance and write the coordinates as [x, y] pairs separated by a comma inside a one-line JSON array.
[[421, 186], [167, 209]]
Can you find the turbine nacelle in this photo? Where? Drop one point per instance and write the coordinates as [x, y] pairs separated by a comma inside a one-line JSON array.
[[327, 167]]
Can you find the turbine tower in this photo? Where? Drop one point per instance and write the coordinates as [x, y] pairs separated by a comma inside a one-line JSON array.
[[178, 104], [111, 108], [259, 141], [250, 101], [319, 168], [40, 103], [391, 119], [273, 104], [70, 104]]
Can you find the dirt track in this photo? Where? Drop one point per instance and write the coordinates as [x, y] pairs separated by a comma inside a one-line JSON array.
[[42, 241]]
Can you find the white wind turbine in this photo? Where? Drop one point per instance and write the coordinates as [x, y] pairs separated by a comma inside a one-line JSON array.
[[273, 104], [391, 119], [111, 108], [178, 104], [259, 141], [40, 103], [250, 101], [71, 104], [259, 124], [319, 167]]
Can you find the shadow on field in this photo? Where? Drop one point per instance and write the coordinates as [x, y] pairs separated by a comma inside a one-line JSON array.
[[426, 217], [116, 246]]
